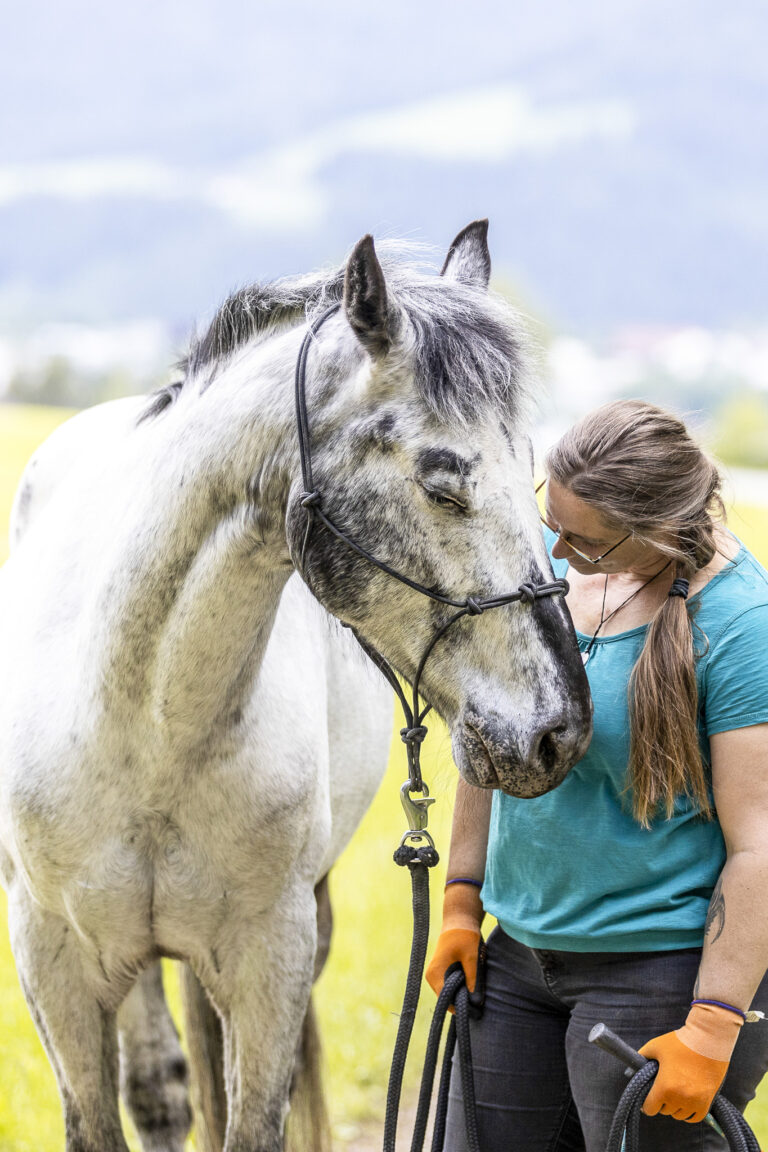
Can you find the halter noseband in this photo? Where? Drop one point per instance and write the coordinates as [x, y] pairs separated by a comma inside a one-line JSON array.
[[414, 732]]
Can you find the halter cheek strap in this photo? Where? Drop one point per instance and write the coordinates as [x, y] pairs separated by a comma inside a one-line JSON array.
[[414, 732]]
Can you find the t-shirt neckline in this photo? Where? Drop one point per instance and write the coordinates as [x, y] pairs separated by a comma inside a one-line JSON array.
[[729, 567]]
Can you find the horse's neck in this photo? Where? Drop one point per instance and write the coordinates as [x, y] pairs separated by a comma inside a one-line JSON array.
[[198, 569], [212, 642]]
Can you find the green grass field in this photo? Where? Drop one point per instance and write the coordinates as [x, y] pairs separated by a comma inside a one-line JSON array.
[[359, 993]]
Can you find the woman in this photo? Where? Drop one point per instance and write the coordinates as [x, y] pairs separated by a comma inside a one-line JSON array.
[[639, 885]]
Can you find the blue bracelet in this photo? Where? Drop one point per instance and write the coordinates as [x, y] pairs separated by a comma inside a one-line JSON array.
[[720, 1004], [465, 880]]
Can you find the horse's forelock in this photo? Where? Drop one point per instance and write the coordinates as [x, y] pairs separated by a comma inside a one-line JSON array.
[[469, 348], [470, 353]]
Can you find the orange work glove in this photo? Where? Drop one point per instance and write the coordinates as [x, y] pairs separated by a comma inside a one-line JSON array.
[[459, 937], [693, 1062]]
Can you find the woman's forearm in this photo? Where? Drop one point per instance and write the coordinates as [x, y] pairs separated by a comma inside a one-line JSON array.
[[469, 836], [735, 954]]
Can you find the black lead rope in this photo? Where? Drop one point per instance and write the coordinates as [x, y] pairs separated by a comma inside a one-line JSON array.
[[418, 868], [625, 1129], [416, 851], [454, 992]]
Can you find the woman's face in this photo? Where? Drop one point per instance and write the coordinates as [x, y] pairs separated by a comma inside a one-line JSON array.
[[579, 524]]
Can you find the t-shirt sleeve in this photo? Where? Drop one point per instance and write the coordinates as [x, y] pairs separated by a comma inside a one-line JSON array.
[[736, 677]]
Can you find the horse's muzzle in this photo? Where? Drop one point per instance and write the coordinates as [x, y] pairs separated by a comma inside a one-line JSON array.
[[523, 762]]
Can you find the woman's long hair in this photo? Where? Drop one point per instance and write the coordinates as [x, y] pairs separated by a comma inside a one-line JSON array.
[[639, 468]]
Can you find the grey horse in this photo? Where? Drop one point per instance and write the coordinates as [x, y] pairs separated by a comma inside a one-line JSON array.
[[178, 764]]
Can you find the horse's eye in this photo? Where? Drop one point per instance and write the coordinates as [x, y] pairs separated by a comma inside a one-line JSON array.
[[442, 499]]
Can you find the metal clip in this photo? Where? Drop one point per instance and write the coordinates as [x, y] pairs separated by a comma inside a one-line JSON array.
[[417, 839], [416, 811], [753, 1017]]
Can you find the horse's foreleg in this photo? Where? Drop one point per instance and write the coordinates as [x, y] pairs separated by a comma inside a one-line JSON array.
[[308, 1126], [153, 1071], [79, 1034], [263, 991]]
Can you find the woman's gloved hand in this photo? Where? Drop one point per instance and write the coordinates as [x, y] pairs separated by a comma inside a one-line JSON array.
[[693, 1062], [459, 938]]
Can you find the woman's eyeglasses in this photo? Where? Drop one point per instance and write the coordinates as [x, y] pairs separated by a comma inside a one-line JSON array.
[[562, 536]]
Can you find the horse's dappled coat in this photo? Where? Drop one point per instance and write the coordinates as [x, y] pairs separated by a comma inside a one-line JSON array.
[[188, 781]]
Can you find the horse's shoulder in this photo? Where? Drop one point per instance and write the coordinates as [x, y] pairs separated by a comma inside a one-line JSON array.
[[84, 434]]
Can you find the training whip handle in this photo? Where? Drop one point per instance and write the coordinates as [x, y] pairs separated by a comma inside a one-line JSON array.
[[726, 1120], [610, 1042]]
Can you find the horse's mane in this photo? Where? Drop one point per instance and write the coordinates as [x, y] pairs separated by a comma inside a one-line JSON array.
[[470, 348]]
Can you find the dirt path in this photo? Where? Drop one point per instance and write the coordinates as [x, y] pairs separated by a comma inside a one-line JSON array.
[[369, 1135]]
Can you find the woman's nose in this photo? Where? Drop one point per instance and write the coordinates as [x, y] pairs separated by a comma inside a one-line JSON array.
[[560, 550]]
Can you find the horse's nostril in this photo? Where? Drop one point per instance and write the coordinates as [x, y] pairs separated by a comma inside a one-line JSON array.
[[550, 747]]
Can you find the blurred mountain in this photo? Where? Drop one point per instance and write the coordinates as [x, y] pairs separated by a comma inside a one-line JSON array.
[[153, 156]]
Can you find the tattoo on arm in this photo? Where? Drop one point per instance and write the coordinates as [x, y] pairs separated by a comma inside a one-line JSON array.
[[715, 922]]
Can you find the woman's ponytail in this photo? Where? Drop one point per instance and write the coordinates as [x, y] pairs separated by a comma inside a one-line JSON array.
[[637, 465], [665, 758]]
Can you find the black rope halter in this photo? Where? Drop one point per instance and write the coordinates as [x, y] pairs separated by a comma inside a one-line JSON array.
[[414, 732], [416, 851]]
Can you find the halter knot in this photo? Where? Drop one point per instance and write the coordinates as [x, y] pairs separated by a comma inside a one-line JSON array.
[[473, 607], [413, 735], [310, 499], [527, 593]]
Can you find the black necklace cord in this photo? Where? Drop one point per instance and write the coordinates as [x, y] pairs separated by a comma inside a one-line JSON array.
[[604, 619]]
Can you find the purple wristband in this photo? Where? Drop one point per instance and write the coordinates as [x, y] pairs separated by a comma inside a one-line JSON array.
[[720, 1004], [465, 880]]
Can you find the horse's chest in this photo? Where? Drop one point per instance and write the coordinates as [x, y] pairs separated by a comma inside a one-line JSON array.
[[143, 842]]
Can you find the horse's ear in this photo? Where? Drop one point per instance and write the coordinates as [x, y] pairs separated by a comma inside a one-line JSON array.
[[365, 299], [468, 259]]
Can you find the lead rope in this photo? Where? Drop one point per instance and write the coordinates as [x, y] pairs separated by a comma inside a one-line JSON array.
[[624, 1135], [454, 992], [416, 850], [625, 1130]]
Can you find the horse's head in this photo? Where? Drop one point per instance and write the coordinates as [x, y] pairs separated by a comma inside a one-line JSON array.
[[417, 398]]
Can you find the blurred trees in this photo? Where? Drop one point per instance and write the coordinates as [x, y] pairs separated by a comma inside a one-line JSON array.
[[59, 383]]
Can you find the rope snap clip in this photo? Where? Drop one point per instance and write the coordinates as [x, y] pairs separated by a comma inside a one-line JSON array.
[[416, 808]]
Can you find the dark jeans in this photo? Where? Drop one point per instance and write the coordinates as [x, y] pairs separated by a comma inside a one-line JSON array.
[[542, 1088]]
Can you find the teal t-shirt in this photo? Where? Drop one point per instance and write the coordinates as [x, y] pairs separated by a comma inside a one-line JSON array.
[[573, 870]]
